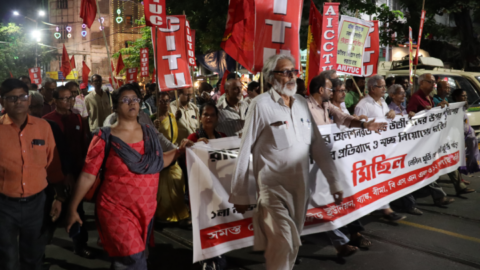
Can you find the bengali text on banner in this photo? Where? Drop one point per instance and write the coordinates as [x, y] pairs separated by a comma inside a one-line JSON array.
[[375, 169]]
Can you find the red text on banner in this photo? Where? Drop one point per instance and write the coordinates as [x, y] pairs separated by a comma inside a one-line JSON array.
[[190, 44], [144, 64], [132, 75], [372, 51]]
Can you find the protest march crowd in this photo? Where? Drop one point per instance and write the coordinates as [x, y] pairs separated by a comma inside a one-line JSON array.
[[55, 143]]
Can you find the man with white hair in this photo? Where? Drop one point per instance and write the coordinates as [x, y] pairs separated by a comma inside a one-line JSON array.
[[281, 135]]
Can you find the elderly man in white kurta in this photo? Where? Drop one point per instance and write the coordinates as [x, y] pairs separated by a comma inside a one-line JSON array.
[[281, 135]]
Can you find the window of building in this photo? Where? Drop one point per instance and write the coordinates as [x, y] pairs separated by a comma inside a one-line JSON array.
[[62, 4]]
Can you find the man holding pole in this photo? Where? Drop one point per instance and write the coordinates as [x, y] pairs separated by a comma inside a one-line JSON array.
[[279, 134], [353, 97]]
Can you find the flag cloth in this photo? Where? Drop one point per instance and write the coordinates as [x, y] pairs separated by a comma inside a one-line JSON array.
[[120, 64], [239, 33], [313, 44], [11, 75], [113, 68], [85, 72], [224, 80], [154, 76], [65, 68], [72, 62], [88, 11]]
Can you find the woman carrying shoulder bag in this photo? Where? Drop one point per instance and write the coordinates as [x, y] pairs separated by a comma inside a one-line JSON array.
[[126, 198]]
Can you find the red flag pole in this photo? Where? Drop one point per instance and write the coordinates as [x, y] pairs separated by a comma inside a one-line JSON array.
[[106, 44]]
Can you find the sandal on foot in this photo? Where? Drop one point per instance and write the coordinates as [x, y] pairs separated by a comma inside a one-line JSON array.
[[346, 251], [360, 242]]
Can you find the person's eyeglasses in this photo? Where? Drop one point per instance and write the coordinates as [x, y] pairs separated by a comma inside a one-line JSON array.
[[14, 99], [330, 89], [381, 86], [340, 91], [432, 81], [65, 99], [287, 73], [128, 100]]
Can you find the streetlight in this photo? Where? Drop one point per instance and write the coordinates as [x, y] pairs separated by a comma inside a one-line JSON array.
[[37, 35], [15, 13], [41, 13]]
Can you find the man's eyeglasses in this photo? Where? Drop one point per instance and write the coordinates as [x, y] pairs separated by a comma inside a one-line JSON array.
[[65, 99], [431, 82], [287, 73], [14, 99], [381, 86], [340, 91], [128, 100]]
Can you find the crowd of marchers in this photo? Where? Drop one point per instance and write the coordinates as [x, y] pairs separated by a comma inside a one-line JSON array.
[[61, 144]]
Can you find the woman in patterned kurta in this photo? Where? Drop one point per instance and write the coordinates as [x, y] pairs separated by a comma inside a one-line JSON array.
[[126, 199]]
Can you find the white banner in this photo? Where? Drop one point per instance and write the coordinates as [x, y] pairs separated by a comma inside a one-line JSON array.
[[376, 169]]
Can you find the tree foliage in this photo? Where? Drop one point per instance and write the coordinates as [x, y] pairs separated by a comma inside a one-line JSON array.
[[17, 51]]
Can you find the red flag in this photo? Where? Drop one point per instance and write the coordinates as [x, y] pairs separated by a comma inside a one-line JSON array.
[[72, 62], [313, 44], [277, 30], [155, 12], [144, 64], [120, 64], [154, 76], [132, 75], [113, 68], [224, 80], [328, 46], [88, 11], [35, 75], [190, 44], [422, 20], [372, 52], [65, 68], [85, 72], [239, 34], [11, 75], [172, 67]]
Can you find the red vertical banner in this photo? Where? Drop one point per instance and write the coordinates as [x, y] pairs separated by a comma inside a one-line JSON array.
[[132, 75], [35, 75], [172, 68], [154, 76], [277, 30], [313, 44], [144, 64], [190, 44], [155, 12], [420, 32], [372, 52], [410, 50], [328, 48]]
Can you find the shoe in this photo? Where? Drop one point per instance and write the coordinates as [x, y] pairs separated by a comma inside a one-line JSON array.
[[84, 253], [415, 211], [444, 201], [393, 217], [346, 251], [466, 191]]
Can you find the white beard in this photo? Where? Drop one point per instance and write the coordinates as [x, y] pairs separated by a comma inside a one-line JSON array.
[[284, 90]]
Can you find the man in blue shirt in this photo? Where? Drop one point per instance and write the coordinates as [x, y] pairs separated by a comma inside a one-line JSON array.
[[443, 91]]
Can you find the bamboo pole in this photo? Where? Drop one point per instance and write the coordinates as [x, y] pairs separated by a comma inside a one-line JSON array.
[[261, 82], [157, 88], [415, 72], [106, 45], [358, 89]]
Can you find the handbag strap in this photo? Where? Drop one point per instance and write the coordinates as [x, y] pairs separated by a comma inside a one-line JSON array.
[[107, 152], [171, 127]]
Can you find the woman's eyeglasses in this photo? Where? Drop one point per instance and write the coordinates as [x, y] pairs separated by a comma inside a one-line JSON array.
[[128, 100]]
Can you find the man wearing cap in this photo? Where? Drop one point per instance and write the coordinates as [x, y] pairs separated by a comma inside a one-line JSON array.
[[80, 100]]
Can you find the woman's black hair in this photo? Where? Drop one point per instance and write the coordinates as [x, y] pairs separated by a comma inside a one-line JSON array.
[[127, 87], [208, 104], [456, 93]]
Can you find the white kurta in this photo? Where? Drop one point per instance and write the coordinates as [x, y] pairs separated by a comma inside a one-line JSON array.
[[281, 140]]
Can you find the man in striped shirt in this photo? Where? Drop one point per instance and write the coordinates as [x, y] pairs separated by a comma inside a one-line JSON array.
[[232, 110]]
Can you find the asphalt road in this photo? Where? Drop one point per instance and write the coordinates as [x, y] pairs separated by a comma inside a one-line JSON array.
[[443, 238]]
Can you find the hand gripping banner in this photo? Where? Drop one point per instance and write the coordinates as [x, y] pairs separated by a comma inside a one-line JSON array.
[[375, 169]]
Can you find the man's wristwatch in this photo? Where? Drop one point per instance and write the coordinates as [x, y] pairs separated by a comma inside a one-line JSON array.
[[362, 125]]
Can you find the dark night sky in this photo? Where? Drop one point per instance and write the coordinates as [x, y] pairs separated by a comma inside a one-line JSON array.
[[25, 7]]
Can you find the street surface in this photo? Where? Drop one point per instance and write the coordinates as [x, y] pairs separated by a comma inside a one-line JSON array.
[[443, 238]]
